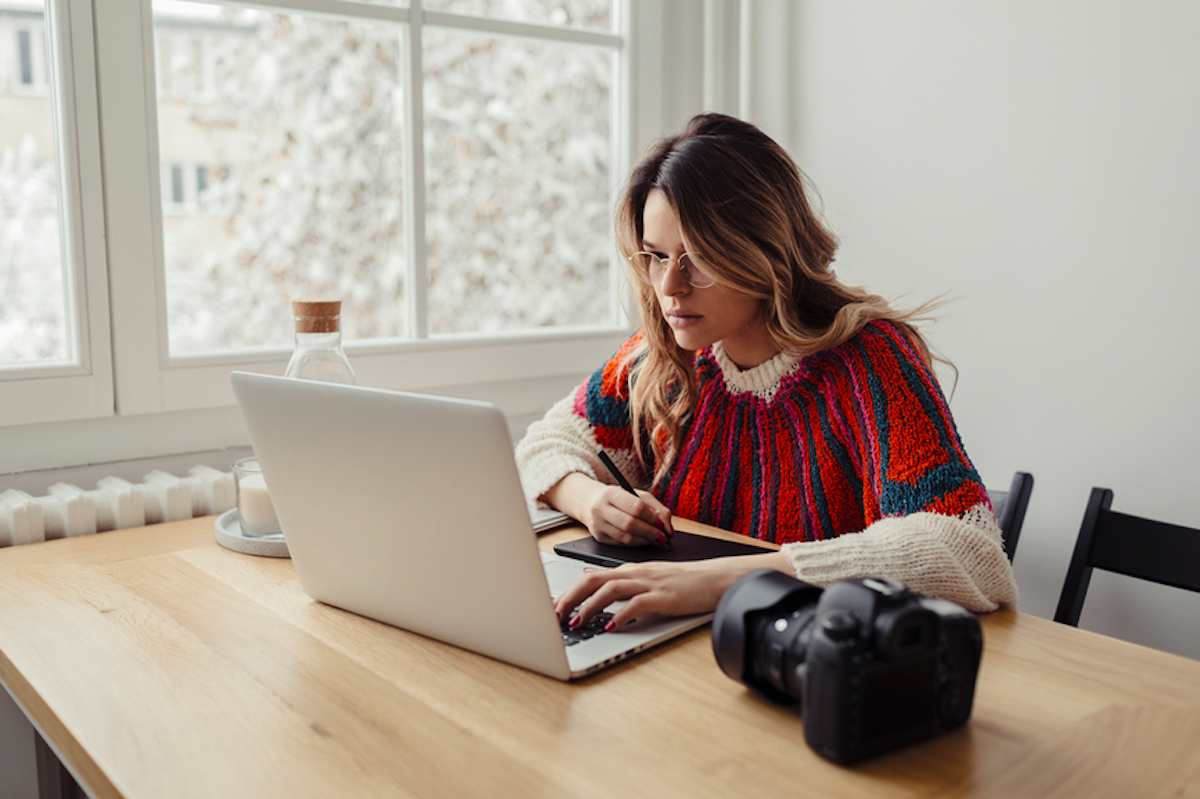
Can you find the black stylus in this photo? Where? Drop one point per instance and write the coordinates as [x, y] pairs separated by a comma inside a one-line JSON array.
[[615, 472]]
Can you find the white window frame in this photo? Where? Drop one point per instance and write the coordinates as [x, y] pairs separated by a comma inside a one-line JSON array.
[[81, 414], [149, 380], [81, 387]]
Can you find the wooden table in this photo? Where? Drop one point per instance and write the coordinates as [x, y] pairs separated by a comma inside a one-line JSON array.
[[157, 664]]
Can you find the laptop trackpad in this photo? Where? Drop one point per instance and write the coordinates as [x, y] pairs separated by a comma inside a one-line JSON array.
[[561, 574]]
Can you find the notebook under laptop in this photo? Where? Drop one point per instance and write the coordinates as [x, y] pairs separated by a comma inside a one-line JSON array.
[[407, 508]]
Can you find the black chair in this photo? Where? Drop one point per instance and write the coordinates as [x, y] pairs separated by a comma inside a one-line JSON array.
[[1009, 507], [1117, 542]]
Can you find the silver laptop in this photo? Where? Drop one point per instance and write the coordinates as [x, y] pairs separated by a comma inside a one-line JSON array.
[[408, 509]]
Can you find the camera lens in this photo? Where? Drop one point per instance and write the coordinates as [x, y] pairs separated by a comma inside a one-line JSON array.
[[780, 646], [761, 630]]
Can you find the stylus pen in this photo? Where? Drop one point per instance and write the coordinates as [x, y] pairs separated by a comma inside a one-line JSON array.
[[615, 472]]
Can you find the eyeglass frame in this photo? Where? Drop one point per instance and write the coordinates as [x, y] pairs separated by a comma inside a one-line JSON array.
[[692, 258]]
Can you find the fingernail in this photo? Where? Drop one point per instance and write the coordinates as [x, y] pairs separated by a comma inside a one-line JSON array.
[[608, 628], [589, 569], [576, 620]]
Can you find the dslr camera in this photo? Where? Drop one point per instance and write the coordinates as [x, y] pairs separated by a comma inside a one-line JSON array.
[[874, 665]]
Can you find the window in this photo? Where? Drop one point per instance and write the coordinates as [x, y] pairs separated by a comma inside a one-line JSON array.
[[448, 168], [175, 196], [37, 330], [313, 114], [27, 31], [25, 57], [522, 238], [54, 349]]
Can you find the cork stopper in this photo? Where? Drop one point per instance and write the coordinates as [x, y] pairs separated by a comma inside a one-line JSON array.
[[317, 316]]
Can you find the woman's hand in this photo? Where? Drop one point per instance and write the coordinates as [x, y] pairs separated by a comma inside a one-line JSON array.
[[614, 516], [611, 514], [669, 589]]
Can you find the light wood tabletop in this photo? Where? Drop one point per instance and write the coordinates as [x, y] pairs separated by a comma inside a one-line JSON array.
[[158, 664]]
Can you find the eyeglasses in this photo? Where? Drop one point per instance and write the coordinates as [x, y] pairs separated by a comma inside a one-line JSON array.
[[652, 269]]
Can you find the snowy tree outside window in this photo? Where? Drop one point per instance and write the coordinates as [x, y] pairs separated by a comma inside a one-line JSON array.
[[34, 326], [307, 114], [282, 147]]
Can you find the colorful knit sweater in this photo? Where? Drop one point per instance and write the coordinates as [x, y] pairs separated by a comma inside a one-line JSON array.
[[849, 457]]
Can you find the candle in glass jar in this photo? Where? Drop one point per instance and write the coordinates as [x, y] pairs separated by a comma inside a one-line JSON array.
[[254, 505]]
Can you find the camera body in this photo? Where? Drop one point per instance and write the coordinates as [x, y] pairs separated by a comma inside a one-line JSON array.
[[875, 666]]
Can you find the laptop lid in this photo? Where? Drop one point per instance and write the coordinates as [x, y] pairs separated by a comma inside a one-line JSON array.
[[408, 509]]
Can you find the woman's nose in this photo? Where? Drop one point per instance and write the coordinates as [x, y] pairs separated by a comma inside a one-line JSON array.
[[674, 282]]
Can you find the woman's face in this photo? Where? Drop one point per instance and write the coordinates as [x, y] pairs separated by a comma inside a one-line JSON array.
[[698, 316]]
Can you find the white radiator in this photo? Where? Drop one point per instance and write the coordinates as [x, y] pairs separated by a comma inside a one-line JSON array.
[[114, 504]]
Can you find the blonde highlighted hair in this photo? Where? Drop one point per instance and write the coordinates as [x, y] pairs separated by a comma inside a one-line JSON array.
[[743, 211]]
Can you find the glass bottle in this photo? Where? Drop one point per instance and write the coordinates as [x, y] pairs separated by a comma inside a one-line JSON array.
[[318, 354]]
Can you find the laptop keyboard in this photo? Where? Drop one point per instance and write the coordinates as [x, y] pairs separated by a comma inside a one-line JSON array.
[[590, 629]]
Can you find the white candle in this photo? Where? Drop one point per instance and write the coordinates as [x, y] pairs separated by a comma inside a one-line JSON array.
[[254, 505]]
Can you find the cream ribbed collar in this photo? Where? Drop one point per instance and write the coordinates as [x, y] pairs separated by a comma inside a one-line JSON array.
[[761, 380]]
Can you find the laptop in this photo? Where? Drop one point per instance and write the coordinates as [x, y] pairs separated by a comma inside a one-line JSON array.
[[408, 509]]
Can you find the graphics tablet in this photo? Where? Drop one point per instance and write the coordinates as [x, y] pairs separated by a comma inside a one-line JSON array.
[[686, 547]]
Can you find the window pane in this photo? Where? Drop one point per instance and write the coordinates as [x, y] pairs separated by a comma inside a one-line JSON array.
[[572, 13], [25, 57], [517, 169], [177, 184], [33, 302], [290, 126]]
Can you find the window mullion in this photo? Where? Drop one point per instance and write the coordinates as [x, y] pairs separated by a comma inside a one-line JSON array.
[[620, 148], [134, 219], [414, 195], [76, 119]]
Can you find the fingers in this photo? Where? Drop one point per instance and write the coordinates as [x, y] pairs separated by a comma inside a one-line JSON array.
[[637, 507], [636, 608], [591, 581], [600, 588], [611, 591], [662, 513], [619, 525]]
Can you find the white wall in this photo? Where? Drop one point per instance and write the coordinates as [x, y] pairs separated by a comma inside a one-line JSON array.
[[1040, 162]]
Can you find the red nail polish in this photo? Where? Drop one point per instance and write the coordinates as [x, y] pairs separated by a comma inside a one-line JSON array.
[[576, 620], [608, 628]]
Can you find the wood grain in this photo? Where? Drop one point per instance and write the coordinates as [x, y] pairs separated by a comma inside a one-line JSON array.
[[158, 664]]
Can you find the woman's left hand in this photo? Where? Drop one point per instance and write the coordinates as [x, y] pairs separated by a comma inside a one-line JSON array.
[[670, 589]]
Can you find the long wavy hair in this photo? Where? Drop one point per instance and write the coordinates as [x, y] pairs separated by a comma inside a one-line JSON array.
[[743, 212]]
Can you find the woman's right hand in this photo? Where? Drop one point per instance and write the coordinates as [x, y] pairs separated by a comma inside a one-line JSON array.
[[614, 516]]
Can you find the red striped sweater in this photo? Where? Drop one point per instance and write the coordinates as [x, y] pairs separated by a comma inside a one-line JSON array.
[[794, 450]]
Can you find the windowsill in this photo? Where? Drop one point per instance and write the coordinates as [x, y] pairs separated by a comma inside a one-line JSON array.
[[521, 374], [426, 366], [116, 438], [448, 342]]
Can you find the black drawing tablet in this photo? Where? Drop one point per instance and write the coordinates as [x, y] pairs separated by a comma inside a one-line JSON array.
[[686, 547]]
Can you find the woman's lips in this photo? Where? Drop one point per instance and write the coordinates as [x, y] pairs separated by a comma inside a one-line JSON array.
[[681, 320]]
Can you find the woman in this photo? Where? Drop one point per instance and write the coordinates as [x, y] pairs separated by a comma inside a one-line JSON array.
[[761, 396]]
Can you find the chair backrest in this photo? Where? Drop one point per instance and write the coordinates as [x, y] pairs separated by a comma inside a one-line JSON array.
[[1009, 507], [1117, 542]]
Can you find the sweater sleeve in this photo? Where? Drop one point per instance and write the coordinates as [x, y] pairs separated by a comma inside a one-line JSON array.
[[955, 558], [930, 523], [594, 415]]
